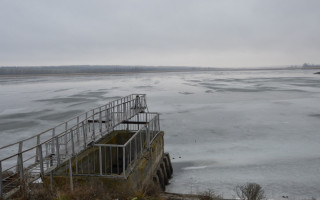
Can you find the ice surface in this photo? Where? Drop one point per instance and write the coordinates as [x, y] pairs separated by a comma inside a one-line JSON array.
[[221, 128]]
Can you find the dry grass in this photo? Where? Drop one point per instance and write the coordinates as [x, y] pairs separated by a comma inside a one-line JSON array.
[[93, 190], [209, 195]]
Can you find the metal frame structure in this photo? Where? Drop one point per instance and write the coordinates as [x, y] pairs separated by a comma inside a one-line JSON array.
[[29, 159]]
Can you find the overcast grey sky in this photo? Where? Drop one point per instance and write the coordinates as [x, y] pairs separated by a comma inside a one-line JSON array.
[[213, 33]]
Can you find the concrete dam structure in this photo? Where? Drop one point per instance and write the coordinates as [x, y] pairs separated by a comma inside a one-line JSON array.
[[119, 144]]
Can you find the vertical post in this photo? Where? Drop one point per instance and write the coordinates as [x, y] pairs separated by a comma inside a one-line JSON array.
[[138, 121], [136, 148], [148, 137], [100, 120], [52, 142], [19, 151], [106, 117], [141, 145], [37, 150], [47, 151], [124, 161], [41, 160], [78, 131], [111, 159], [124, 111], [70, 175], [1, 186], [158, 118], [130, 153], [87, 120], [66, 137], [117, 160], [21, 170], [100, 160], [77, 172], [72, 141], [58, 150], [93, 128], [84, 130]]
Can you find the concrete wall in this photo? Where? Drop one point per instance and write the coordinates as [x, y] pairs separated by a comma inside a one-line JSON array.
[[150, 165]]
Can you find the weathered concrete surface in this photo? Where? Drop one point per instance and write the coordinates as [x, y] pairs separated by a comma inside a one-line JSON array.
[[152, 161]]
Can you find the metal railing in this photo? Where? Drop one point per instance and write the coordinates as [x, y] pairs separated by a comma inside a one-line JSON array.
[[28, 159], [118, 160]]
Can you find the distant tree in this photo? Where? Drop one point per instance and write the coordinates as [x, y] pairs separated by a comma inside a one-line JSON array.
[[250, 191]]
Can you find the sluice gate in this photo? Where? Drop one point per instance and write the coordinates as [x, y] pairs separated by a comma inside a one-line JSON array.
[[118, 141]]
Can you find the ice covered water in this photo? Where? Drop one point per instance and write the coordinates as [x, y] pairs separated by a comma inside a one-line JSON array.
[[222, 128]]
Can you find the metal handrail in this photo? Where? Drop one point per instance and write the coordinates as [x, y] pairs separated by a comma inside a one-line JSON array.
[[84, 131], [34, 136]]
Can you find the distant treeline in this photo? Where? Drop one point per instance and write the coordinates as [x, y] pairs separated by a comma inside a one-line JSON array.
[[92, 69], [310, 66]]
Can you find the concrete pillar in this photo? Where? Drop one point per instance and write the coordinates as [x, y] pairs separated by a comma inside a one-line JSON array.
[[170, 165], [164, 172], [161, 179], [167, 166]]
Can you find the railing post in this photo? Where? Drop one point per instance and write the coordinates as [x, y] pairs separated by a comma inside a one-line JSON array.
[[141, 145], [52, 143], [124, 111], [106, 117], [138, 121], [66, 137], [19, 151], [100, 160], [21, 170], [77, 171], [136, 148], [130, 153], [84, 130], [1, 186], [124, 161], [78, 131], [72, 141], [37, 150], [57, 150], [158, 119], [70, 175], [93, 128], [148, 137], [100, 120], [41, 160]]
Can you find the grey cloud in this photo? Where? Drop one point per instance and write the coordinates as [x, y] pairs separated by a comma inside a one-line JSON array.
[[168, 32]]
